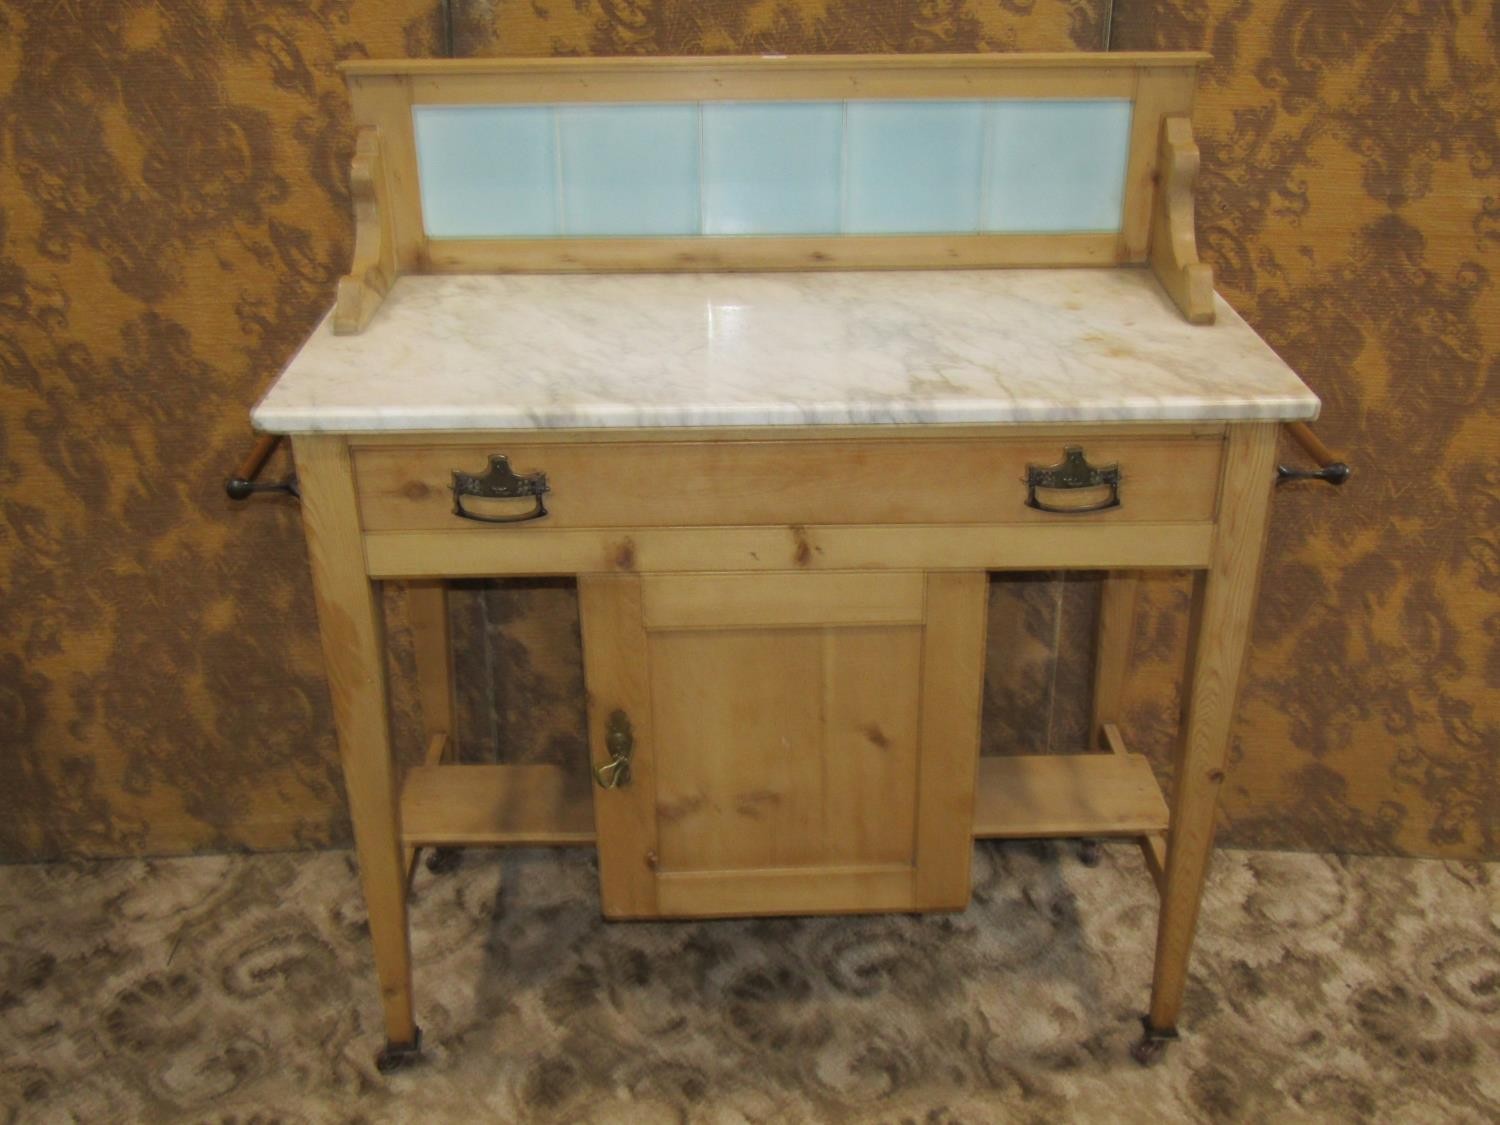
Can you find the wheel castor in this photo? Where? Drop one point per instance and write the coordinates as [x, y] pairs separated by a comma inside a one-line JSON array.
[[1152, 1044], [440, 861], [399, 1056], [1089, 853]]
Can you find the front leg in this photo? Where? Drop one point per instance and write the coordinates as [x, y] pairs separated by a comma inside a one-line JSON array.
[[353, 654], [1223, 602]]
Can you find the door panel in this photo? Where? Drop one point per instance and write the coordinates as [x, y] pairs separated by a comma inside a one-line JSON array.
[[801, 746], [785, 767]]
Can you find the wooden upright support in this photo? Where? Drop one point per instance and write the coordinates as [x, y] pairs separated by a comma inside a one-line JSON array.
[[1174, 247], [375, 267], [1112, 650], [427, 611], [432, 645]]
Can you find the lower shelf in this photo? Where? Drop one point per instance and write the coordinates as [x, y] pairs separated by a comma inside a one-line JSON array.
[[481, 805], [1067, 795], [1017, 797]]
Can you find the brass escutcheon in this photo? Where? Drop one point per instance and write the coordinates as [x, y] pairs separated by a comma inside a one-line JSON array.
[[619, 740]]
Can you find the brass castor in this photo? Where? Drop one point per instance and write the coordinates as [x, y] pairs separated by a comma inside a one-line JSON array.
[[399, 1056], [440, 861], [1089, 853], [1152, 1044]]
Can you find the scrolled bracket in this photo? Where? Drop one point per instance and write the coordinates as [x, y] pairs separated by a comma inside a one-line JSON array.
[[1174, 245], [374, 268]]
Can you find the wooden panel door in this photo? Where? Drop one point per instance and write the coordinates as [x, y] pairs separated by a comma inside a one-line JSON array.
[[801, 743]]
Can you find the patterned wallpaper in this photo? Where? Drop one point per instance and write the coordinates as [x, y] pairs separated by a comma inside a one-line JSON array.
[[1351, 208], [173, 212]]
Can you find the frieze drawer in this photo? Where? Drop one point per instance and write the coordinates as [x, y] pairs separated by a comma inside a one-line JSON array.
[[503, 485]]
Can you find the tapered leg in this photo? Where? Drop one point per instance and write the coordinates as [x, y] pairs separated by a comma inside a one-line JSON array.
[[1112, 650], [353, 655], [1223, 600]]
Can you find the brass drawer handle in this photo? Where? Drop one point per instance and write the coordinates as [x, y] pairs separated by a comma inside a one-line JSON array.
[[620, 742], [500, 482], [1073, 471]]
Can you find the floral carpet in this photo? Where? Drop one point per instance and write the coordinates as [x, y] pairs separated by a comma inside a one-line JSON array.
[[240, 989]]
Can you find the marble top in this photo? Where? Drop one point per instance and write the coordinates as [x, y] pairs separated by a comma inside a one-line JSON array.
[[527, 351]]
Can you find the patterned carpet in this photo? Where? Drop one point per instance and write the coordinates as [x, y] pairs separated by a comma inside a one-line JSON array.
[[239, 989]]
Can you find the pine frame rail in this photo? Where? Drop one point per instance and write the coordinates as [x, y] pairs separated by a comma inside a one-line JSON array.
[[1156, 228]]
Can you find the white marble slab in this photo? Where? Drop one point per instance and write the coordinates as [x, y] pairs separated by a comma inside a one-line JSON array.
[[621, 350]]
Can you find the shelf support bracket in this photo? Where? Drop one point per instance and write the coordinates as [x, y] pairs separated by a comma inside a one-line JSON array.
[[374, 269], [1174, 248]]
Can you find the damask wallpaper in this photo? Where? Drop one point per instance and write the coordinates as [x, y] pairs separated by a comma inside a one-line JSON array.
[[1350, 210], [173, 213]]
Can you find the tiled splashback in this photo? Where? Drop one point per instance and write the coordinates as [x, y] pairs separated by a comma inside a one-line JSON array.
[[769, 168]]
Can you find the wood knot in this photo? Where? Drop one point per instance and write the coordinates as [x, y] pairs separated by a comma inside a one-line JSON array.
[[670, 811], [802, 551], [624, 555], [753, 803]]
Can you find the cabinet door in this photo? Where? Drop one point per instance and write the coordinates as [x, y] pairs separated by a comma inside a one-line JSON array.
[[798, 743]]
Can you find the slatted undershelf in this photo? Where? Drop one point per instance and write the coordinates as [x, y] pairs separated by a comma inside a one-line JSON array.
[[488, 805], [1113, 794], [1067, 795], [1101, 795]]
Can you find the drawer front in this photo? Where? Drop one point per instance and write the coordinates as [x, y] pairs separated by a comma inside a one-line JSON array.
[[758, 483]]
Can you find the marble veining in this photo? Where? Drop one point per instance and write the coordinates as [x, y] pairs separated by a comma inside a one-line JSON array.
[[528, 351]]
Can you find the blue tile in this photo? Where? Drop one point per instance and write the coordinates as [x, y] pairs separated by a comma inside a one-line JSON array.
[[486, 171], [629, 169], [913, 167], [1056, 165], [772, 168]]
